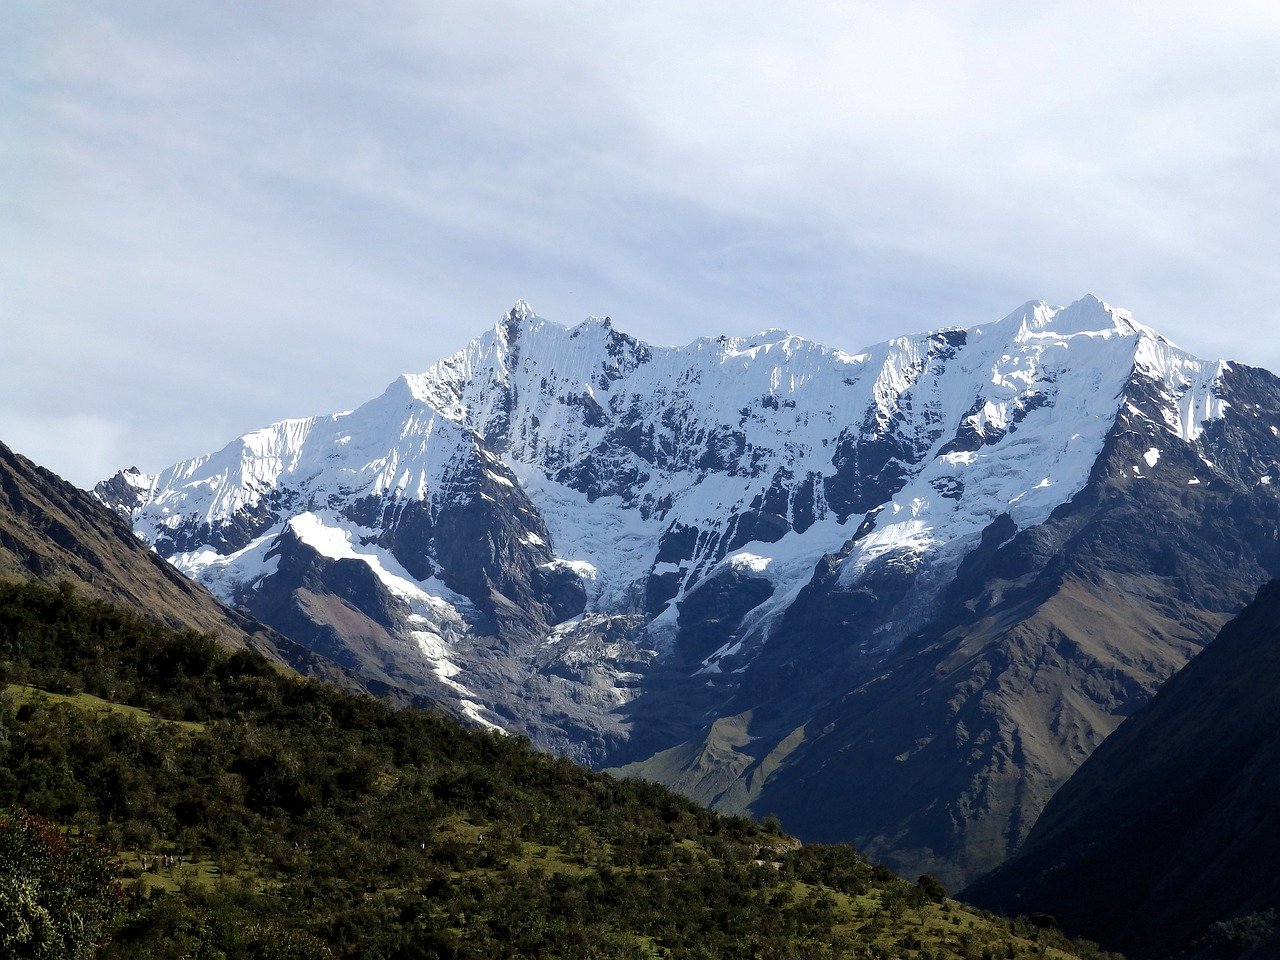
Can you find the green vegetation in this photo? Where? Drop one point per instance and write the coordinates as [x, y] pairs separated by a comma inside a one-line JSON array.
[[255, 815], [1232, 938], [57, 893]]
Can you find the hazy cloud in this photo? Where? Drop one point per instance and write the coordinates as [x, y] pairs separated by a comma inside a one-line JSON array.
[[219, 215]]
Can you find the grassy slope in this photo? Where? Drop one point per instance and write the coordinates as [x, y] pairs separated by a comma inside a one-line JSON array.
[[301, 821]]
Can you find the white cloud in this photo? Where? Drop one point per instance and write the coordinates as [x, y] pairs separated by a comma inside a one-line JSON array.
[[225, 214]]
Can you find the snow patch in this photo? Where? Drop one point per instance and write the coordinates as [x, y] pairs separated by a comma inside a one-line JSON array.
[[227, 575], [749, 562], [436, 616], [1190, 386], [580, 568], [474, 711]]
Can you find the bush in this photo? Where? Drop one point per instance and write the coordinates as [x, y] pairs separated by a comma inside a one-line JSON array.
[[931, 889], [1238, 934], [58, 894]]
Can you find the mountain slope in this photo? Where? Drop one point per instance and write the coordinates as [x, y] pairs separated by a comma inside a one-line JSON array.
[[611, 546], [943, 755], [1171, 824], [259, 816], [50, 530]]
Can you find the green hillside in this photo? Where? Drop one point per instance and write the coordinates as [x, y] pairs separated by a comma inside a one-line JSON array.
[[163, 797]]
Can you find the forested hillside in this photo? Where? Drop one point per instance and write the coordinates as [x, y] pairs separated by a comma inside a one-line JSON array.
[[164, 797]]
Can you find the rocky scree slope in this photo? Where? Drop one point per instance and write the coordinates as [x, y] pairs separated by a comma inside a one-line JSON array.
[[779, 576]]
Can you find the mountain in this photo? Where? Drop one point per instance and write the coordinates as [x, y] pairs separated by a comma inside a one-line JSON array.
[[52, 532], [895, 596], [1171, 825]]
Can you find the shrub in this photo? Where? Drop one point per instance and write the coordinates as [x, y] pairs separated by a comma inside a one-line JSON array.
[[58, 894]]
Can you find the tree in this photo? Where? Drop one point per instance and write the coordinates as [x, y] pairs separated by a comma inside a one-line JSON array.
[[931, 889], [58, 894]]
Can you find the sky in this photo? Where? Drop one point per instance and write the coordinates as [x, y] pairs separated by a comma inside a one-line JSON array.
[[215, 216]]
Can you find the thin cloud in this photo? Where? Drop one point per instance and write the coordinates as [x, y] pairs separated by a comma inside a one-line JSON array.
[[228, 215]]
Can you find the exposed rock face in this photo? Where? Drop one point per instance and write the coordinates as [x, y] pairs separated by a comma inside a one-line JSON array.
[[949, 745], [126, 491], [894, 597], [1171, 824]]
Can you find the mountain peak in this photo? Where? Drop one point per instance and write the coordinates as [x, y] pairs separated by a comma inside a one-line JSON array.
[[1087, 316], [521, 310], [518, 317], [555, 522], [125, 491], [771, 336]]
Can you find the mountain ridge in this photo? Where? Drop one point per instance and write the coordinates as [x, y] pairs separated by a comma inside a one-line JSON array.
[[609, 546]]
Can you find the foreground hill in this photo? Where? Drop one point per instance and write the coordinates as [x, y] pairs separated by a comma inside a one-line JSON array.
[[51, 531], [894, 596], [260, 815], [1172, 825]]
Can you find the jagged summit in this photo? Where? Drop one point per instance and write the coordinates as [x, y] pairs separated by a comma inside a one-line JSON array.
[[602, 542], [714, 436], [521, 311], [788, 429], [1087, 316]]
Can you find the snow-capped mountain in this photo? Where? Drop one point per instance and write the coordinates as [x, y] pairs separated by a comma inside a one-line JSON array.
[[607, 544]]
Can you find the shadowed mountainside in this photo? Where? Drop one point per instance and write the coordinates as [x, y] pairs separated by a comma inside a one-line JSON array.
[[1172, 824]]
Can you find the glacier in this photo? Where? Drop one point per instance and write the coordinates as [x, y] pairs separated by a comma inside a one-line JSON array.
[[629, 476]]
